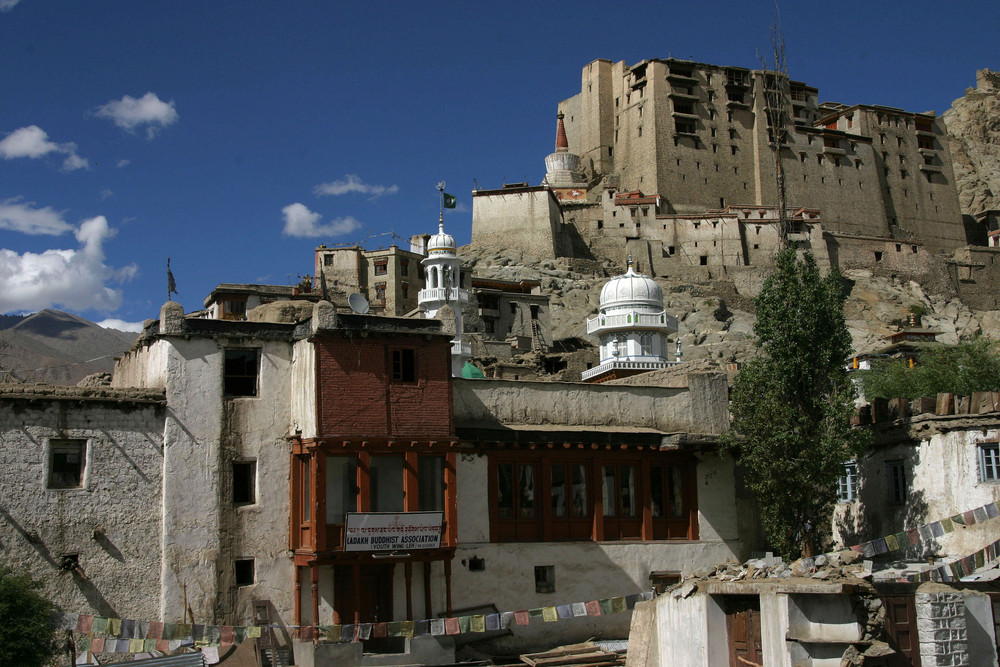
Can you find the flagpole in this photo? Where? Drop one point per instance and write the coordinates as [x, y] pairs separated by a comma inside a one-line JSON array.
[[440, 187]]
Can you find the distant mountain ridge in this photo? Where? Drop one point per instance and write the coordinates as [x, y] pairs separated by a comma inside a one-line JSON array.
[[58, 348]]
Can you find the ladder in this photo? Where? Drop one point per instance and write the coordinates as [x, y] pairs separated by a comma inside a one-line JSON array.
[[267, 646]]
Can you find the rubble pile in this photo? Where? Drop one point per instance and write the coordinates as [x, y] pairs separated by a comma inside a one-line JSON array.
[[836, 566]]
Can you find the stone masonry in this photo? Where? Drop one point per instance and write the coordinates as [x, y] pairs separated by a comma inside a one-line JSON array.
[[941, 628]]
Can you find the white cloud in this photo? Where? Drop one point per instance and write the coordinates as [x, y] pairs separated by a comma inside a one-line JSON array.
[[130, 113], [303, 223], [353, 183], [74, 162], [106, 193], [121, 325], [7, 5], [33, 142], [69, 278], [26, 219], [123, 163]]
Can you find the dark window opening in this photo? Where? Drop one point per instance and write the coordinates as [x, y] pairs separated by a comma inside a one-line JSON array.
[[404, 365], [404, 266], [545, 578], [66, 463], [381, 266], [897, 482], [244, 482], [240, 373], [703, 260], [244, 571]]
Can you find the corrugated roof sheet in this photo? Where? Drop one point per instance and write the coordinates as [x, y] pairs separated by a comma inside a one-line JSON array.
[[196, 659]]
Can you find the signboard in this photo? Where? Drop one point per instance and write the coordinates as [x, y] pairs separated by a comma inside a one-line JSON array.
[[390, 531]]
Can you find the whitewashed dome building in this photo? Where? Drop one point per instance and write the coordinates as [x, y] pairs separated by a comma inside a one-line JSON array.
[[633, 327], [443, 286]]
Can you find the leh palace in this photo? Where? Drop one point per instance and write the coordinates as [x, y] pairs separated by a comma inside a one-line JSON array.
[[432, 454]]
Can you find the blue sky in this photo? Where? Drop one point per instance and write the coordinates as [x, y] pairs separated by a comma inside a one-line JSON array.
[[235, 137]]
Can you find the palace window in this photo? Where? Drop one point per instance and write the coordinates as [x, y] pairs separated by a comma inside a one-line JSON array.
[[404, 266], [244, 482], [847, 490], [239, 375], [404, 365], [989, 462], [67, 461], [381, 266], [896, 478]]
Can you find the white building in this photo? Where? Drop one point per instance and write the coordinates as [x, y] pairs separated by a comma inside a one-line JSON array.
[[443, 288], [633, 328]]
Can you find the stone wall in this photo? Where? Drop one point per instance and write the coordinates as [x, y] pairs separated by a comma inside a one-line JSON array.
[[486, 404], [942, 630], [111, 523]]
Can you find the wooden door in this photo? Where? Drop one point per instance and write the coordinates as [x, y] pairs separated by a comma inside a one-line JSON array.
[[743, 630], [901, 630], [367, 598]]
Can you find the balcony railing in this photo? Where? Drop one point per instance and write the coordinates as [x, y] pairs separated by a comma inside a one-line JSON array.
[[626, 365], [464, 349], [443, 294], [632, 320]]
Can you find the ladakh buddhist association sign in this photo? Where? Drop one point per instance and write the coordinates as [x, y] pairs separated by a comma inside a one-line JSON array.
[[389, 531]]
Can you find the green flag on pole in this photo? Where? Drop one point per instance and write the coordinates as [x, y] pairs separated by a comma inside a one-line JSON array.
[[449, 200]]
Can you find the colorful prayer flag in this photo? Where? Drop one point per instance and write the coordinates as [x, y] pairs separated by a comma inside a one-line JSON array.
[[135, 645], [437, 626], [549, 614], [406, 628], [97, 646], [380, 630], [948, 526], [84, 623], [452, 626], [492, 622], [253, 632], [618, 604], [464, 624], [890, 543], [593, 608], [478, 623], [579, 609], [564, 611], [521, 617], [365, 631]]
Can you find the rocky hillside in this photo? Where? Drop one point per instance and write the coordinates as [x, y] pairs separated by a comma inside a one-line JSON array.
[[59, 348], [973, 124], [716, 319]]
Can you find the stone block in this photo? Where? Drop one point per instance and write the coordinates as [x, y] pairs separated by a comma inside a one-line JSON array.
[[923, 405], [962, 405], [945, 404], [899, 408], [880, 410]]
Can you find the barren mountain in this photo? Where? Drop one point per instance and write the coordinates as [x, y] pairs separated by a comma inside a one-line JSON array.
[[56, 347]]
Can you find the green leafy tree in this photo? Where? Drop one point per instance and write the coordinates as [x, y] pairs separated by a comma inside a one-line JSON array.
[[973, 365], [27, 637], [792, 405]]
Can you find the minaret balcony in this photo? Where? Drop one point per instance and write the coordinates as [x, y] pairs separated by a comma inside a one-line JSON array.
[[442, 294], [631, 320]]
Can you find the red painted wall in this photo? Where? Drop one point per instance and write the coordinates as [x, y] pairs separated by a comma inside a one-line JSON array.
[[356, 394]]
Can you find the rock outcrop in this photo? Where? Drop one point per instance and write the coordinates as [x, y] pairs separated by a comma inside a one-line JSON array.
[[973, 124]]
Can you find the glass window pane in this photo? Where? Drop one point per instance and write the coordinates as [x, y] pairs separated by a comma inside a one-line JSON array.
[[628, 490], [306, 490], [579, 490], [656, 491], [676, 492], [558, 487], [430, 483], [608, 476], [527, 488], [386, 480], [505, 490], [341, 488]]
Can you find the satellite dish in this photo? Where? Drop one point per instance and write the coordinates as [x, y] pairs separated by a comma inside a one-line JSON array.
[[358, 303]]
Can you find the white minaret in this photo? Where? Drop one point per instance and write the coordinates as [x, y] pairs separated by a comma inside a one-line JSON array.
[[633, 328], [442, 285]]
